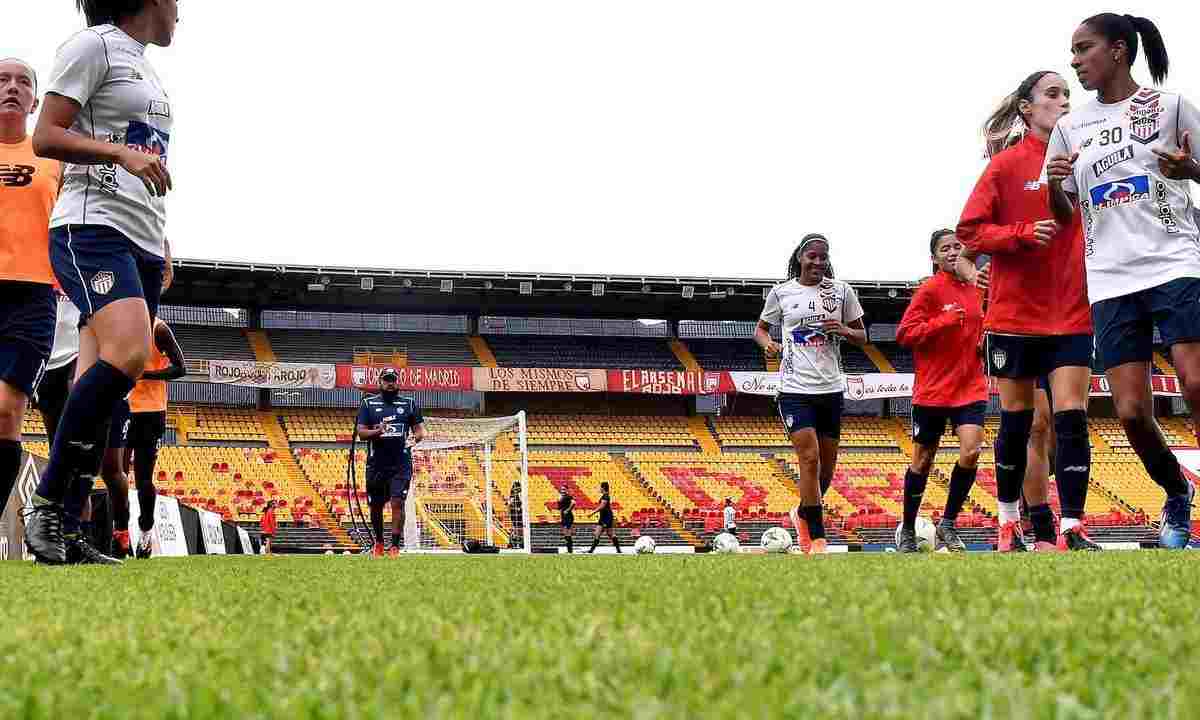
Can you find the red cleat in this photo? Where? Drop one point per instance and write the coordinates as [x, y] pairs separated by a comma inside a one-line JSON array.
[[1044, 546], [121, 543], [394, 552], [377, 550], [803, 539], [817, 547], [1010, 539]]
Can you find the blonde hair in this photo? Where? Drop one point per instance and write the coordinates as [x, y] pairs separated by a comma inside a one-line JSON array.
[[1006, 126]]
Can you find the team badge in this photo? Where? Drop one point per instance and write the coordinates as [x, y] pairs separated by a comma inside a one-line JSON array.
[[916, 430], [790, 420], [583, 382], [103, 281], [856, 387], [829, 303], [999, 359], [1143, 115]]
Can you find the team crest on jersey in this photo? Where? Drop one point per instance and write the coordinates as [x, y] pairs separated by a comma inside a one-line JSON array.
[[916, 430], [999, 359], [830, 304], [103, 281], [1143, 114], [790, 420]]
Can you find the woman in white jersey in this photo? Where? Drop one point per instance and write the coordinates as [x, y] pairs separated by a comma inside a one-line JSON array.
[[817, 313], [1125, 160], [108, 117]]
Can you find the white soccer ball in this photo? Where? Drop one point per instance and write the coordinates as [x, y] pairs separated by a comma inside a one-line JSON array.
[[776, 540], [726, 543], [645, 545], [328, 552], [926, 534]]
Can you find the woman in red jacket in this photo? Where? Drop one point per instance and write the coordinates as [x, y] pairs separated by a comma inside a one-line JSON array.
[[942, 326], [268, 526], [1038, 320]]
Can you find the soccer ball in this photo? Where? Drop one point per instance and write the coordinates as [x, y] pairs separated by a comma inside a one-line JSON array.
[[776, 540], [726, 543], [926, 534], [645, 545]]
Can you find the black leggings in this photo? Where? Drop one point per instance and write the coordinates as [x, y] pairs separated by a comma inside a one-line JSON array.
[[51, 396]]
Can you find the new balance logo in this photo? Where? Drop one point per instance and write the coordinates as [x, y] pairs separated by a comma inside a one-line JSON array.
[[1076, 468], [86, 447], [16, 175], [1010, 468]]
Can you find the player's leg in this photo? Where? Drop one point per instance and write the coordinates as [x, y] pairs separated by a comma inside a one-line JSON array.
[[1069, 387], [397, 503], [928, 426], [146, 431], [1124, 346], [828, 427], [969, 429], [378, 494], [114, 475], [26, 321], [98, 271], [1036, 487], [52, 395], [612, 535], [568, 532], [1015, 362]]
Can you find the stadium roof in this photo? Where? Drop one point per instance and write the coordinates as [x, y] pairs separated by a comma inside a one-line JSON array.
[[376, 289]]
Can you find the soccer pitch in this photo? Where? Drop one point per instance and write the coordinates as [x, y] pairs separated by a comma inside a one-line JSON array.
[[707, 636]]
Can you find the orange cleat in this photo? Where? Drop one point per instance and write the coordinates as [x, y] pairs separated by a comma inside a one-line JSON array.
[[1010, 539], [1044, 546], [121, 543], [394, 552], [817, 547], [803, 539], [377, 550]]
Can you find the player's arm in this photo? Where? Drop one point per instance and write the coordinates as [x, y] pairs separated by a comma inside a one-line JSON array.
[[165, 340], [1060, 174], [365, 430], [168, 267], [853, 330], [772, 314], [982, 234], [79, 69], [920, 323]]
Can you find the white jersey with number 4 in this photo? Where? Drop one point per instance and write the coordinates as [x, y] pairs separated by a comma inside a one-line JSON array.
[[1139, 228], [812, 361]]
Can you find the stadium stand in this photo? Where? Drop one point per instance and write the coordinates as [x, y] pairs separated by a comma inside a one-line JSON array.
[[716, 354], [213, 343], [340, 346], [583, 352], [900, 357], [608, 430]]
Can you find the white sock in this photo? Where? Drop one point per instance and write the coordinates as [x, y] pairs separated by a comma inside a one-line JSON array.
[[1067, 523], [1010, 512]]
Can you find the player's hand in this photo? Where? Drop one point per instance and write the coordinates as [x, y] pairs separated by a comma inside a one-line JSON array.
[[1060, 168], [983, 277], [147, 168], [168, 276], [772, 348], [958, 313], [833, 327], [1043, 232], [1178, 165]]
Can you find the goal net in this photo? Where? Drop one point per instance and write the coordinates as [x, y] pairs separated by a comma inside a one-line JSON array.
[[464, 473]]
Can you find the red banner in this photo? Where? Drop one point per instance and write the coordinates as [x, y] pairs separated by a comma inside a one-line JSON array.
[[539, 380], [667, 382], [414, 377]]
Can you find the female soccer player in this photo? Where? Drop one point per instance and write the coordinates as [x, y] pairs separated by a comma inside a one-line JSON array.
[[817, 313], [566, 512], [604, 510], [108, 242], [267, 527], [1037, 320], [28, 186], [943, 326], [1125, 160]]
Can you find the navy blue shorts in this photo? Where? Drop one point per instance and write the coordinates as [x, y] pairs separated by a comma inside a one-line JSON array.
[[1032, 356], [822, 413], [118, 429], [27, 317], [385, 483], [146, 429], [930, 422], [1125, 325], [96, 265]]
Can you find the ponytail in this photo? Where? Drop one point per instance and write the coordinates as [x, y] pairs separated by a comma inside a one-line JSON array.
[[1126, 29], [101, 12], [1006, 126]]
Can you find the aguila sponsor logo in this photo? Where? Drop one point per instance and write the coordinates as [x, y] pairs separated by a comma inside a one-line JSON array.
[[1110, 161]]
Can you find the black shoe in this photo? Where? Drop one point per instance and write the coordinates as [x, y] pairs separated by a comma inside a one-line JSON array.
[[908, 541], [947, 535], [82, 552], [44, 535], [1077, 539]]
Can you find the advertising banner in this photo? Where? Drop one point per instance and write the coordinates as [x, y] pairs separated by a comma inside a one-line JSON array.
[[540, 380], [665, 382], [212, 533], [12, 527], [168, 539], [413, 377], [273, 375]]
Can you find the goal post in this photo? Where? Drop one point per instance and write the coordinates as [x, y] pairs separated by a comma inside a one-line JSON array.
[[463, 475]]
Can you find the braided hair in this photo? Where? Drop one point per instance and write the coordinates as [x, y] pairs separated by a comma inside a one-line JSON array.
[[793, 266]]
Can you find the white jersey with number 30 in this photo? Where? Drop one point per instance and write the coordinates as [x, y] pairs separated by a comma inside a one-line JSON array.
[[812, 360], [1139, 228]]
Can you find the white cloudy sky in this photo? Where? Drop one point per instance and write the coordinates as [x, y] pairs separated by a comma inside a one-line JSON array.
[[667, 137]]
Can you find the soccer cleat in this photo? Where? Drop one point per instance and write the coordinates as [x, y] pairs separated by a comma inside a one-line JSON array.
[[44, 533], [394, 552], [1076, 539], [1010, 539], [803, 539], [908, 541], [947, 536], [120, 543], [1176, 529], [377, 550], [817, 546], [82, 552], [1047, 546], [145, 546]]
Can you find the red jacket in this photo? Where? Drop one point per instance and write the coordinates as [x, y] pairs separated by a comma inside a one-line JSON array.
[[268, 523], [1034, 290], [945, 351]]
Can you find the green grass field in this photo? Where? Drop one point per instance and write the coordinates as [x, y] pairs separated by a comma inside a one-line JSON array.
[[858, 636]]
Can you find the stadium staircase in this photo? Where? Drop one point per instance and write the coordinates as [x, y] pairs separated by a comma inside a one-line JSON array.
[[773, 364], [901, 435], [483, 353], [704, 434], [261, 345], [673, 519], [1163, 364], [878, 358], [278, 441], [683, 355], [185, 422]]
